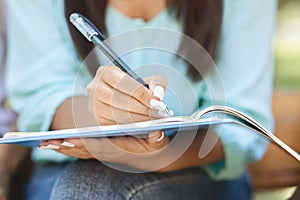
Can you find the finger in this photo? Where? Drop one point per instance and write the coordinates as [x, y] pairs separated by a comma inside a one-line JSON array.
[[97, 78], [60, 144], [50, 144], [77, 150], [104, 122], [106, 94], [119, 80], [110, 113], [157, 84], [76, 141], [81, 153], [158, 79], [157, 139]]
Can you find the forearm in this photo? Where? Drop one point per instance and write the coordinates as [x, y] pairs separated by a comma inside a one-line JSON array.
[[191, 158], [73, 113]]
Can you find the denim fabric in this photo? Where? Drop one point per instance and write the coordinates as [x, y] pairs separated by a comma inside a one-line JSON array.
[[42, 180], [92, 180]]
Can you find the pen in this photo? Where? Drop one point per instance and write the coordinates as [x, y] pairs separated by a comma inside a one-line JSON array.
[[92, 34]]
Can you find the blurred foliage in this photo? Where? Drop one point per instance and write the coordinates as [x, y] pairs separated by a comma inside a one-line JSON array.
[[287, 45]]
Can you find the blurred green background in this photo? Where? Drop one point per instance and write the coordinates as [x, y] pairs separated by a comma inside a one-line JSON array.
[[287, 46]]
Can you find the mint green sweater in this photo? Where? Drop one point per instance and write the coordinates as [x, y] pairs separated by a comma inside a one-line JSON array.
[[44, 69]]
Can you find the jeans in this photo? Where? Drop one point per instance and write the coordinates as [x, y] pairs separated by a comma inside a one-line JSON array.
[[92, 180], [42, 180]]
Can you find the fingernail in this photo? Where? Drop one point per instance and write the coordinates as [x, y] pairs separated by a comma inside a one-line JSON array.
[[68, 144], [52, 146], [163, 114], [162, 108], [157, 104], [43, 148], [159, 92], [156, 134], [161, 137]]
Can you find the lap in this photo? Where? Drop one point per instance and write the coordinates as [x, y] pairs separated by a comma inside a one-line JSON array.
[[42, 180], [92, 180]]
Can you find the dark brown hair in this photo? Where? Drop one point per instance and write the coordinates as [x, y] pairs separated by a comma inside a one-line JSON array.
[[202, 22]]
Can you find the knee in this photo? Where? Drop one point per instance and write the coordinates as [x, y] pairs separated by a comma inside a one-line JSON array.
[[93, 180], [77, 181]]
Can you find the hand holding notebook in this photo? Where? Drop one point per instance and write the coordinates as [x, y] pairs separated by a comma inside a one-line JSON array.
[[182, 123]]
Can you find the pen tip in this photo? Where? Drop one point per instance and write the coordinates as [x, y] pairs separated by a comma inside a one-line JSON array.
[[169, 112]]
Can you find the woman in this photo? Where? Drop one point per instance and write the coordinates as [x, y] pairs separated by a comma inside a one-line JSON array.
[[240, 44]]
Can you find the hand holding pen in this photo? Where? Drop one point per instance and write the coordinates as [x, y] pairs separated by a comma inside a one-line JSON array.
[[120, 86]]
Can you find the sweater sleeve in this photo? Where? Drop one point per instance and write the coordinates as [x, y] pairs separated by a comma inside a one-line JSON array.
[[43, 67]]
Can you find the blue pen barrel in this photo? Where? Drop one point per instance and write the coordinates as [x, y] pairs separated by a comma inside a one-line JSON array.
[[116, 59]]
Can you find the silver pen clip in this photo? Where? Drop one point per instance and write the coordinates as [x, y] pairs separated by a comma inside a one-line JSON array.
[[83, 26]]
